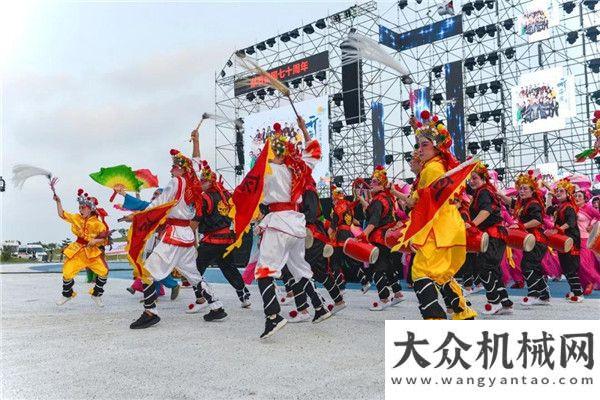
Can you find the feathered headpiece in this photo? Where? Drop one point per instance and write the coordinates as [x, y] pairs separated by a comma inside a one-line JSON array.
[[481, 170], [594, 130], [180, 160], [380, 175], [567, 185], [206, 173], [279, 142], [432, 129], [530, 179], [85, 199], [336, 193]]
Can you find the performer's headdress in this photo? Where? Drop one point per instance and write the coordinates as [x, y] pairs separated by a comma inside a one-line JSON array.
[[180, 160], [380, 175], [279, 142], [530, 179], [481, 170], [595, 129], [336, 193], [432, 129], [567, 185], [86, 200], [206, 173]]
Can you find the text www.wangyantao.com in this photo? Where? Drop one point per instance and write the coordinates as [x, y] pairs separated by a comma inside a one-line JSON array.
[[487, 381]]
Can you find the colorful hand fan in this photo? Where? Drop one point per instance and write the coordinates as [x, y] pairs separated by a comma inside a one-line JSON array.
[[147, 178], [118, 175]]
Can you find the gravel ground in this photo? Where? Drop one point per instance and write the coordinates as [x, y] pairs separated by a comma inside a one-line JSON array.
[[79, 351]]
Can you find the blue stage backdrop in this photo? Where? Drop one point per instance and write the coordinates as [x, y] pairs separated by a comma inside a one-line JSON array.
[[378, 134], [455, 115], [420, 36]]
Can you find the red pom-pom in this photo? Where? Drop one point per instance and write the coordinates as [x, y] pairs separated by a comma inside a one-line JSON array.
[[283, 299], [86, 195], [597, 113], [525, 299], [445, 132], [293, 314], [330, 307], [277, 127], [594, 120], [174, 152], [95, 201], [425, 114], [419, 124], [530, 172], [435, 118], [375, 304], [191, 306], [79, 192], [488, 307], [379, 167]]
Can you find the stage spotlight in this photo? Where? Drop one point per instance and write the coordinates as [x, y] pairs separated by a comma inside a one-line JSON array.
[[596, 97], [321, 76], [492, 58], [285, 37], [495, 86], [480, 32], [479, 4], [469, 63], [294, 34], [485, 145], [261, 94], [569, 6], [406, 104], [491, 30], [497, 144], [296, 83], [437, 98], [261, 46], [336, 126], [407, 130], [250, 96], [338, 180], [485, 116], [594, 65], [509, 53], [270, 91], [309, 80], [239, 170], [240, 53], [481, 60], [338, 98], [591, 4], [500, 172], [410, 181], [490, 4], [508, 24], [406, 79], [473, 147], [437, 71], [270, 42], [338, 153], [472, 119], [483, 87], [402, 4], [229, 63], [468, 8], [308, 29], [389, 158], [470, 91], [419, 1], [408, 156], [469, 35], [222, 73], [320, 24], [592, 33], [250, 50], [572, 37]]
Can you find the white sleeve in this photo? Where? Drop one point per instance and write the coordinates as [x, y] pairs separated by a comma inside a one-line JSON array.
[[312, 153], [197, 164], [167, 194]]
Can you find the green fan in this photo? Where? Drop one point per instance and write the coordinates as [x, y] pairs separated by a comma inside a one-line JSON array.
[[118, 175]]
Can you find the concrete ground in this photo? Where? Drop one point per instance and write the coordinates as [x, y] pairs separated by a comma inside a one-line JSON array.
[[79, 351]]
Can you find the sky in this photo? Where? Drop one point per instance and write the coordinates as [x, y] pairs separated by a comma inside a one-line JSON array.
[[86, 85]]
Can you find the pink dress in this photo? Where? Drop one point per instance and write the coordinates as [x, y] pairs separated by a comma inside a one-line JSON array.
[[589, 270], [512, 257], [550, 262]]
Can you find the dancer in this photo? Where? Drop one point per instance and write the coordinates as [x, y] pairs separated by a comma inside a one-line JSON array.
[[380, 218], [565, 217], [587, 216], [529, 212], [440, 246], [485, 215], [176, 246], [92, 232], [215, 226], [283, 229]]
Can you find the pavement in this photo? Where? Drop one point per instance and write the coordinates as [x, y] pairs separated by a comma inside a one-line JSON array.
[[80, 351]]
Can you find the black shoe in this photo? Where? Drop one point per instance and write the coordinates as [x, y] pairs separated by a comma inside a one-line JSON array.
[[130, 290], [272, 325], [215, 315], [146, 320], [321, 314]]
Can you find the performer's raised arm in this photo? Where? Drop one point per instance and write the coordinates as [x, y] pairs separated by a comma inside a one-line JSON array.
[[59, 208]]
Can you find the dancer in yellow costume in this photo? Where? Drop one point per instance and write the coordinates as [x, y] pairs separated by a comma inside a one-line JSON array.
[[91, 232], [441, 250]]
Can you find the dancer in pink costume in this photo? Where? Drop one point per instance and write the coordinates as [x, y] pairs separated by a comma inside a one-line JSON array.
[[589, 271], [550, 261], [511, 263]]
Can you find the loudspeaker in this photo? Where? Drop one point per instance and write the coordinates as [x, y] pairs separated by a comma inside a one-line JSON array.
[[352, 88]]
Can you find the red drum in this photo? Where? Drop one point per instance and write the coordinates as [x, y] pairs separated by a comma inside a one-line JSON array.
[[361, 251], [561, 243], [327, 250], [309, 239], [477, 241], [521, 240], [593, 242]]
